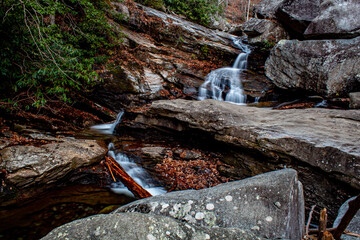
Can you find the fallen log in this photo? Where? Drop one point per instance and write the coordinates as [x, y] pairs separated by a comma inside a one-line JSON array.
[[120, 173]]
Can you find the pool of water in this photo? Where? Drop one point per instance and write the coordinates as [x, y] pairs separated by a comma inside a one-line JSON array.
[[34, 218]]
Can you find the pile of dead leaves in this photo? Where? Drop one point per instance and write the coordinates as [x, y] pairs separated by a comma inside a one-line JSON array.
[[189, 174]]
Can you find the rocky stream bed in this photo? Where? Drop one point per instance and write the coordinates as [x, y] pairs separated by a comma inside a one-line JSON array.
[[262, 168]]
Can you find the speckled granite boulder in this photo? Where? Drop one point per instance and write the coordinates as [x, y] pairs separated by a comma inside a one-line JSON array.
[[135, 226], [271, 205]]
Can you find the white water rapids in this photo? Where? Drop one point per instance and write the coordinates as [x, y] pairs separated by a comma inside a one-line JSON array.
[[224, 84], [136, 172]]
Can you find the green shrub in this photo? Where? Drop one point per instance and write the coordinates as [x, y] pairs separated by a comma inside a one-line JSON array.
[[49, 47], [156, 4], [199, 11]]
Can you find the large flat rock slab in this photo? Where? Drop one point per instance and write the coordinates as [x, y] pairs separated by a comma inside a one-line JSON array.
[[324, 138]]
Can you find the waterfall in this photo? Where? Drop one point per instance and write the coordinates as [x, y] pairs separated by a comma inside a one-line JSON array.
[[135, 172], [110, 127], [224, 84]]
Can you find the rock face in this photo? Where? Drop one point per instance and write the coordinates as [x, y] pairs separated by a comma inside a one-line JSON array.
[[163, 57], [267, 8], [326, 67], [297, 14], [355, 100], [354, 225], [30, 166], [262, 30], [134, 226], [337, 19], [312, 136], [270, 204]]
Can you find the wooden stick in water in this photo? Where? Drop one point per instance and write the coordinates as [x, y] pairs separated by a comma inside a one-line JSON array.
[[133, 186]]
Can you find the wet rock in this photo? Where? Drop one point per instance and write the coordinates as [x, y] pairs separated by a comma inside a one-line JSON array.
[[354, 225], [187, 154], [355, 100], [267, 8], [134, 226], [30, 166], [154, 153], [271, 205], [311, 136], [261, 30], [296, 15], [163, 56], [236, 30], [329, 68], [337, 19]]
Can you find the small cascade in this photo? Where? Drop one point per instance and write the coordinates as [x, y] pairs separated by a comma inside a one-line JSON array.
[[110, 127], [135, 172], [224, 84]]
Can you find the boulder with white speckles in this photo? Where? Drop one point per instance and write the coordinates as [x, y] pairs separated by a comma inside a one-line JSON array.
[[135, 226], [271, 205]]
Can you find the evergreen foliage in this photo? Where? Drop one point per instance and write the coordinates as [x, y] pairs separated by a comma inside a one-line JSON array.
[[49, 47], [199, 11]]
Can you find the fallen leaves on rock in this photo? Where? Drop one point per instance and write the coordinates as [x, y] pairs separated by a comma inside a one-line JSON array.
[[189, 174]]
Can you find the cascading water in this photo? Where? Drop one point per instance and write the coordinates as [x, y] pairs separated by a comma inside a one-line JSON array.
[[136, 172], [224, 84], [109, 127]]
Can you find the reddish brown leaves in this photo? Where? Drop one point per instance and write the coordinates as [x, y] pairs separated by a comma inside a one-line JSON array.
[[192, 174]]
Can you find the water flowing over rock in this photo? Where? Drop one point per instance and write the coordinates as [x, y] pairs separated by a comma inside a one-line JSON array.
[[262, 30], [135, 226], [164, 56], [326, 67], [337, 19], [271, 205], [30, 166], [109, 127], [224, 84], [311, 136], [137, 173]]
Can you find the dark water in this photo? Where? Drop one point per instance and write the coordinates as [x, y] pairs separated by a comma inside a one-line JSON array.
[[34, 218]]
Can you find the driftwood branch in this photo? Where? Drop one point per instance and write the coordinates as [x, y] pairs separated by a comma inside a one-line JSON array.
[[120, 173], [309, 220], [323, 223], [354, 206]]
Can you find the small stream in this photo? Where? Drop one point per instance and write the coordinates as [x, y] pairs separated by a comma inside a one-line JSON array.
[[37, 217], [136, 172]]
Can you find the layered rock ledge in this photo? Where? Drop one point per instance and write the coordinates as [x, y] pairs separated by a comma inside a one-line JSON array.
[[34, 166], [324, 138]]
